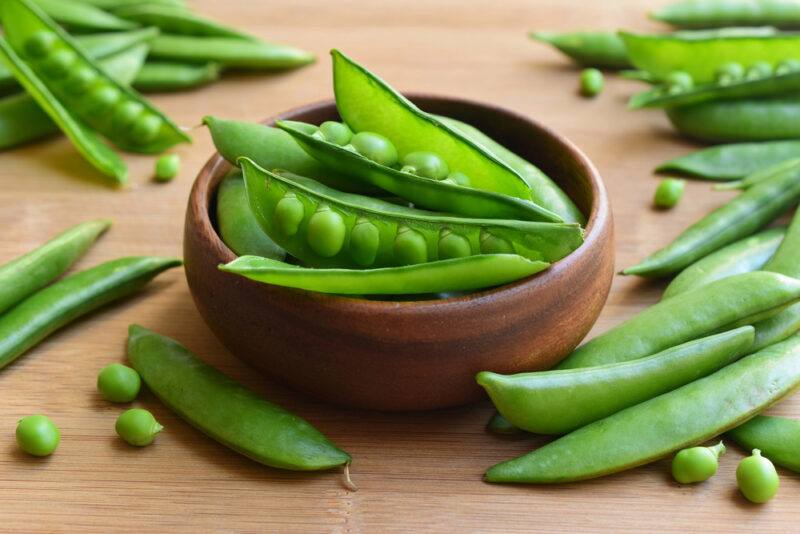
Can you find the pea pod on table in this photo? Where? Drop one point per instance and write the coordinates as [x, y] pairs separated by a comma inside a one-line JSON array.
[[171, 76], [82, 16], [777, 437], [591, 49], [720, 13], [111, 5], [177, 21], [759, 175]]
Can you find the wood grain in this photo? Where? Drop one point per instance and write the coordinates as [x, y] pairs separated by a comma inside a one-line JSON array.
[[416, 472]]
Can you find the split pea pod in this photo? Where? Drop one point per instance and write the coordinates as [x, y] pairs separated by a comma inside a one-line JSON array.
[[176, 21], [228, 52], [81, 16], [326, 228], [57, 305], [686, 416], [777, 437], [225, 410], [557, 402], [720, 13], [171, 76], [590, 49]]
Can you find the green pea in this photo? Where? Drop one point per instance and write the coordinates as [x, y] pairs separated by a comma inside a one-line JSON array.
[[729, 72], [491, 244], [37, 435], [40, 44], [787, 66], [757, 479], [146, 128], [326, 232], [336, 132], [126, 113], [289, 213], [679, 81], [697, 464], [591, 82], [167, 167], [669, 193], [426, 164], [118, 383], [409, 247], [375, 147], [58, 64], [102, 99], [137, 427], [80, 80], [452, 245], [458, 178], [364, 242], [759, 69]]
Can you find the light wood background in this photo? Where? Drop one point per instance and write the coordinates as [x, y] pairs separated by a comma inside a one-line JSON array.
[[416, 472]]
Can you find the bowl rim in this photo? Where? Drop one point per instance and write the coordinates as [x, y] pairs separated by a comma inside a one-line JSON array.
[[210, 175]]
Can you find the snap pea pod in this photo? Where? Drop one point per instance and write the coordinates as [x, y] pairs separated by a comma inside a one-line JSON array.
[[57, 305], [238, 226], [111, 5], [557, 402], [719, 13], [171, 76], [787, 259], [326, 228], [424, 192], [759, 175], [469, 273], [225, 410], [740, 217], [591, 49], [367, 103], [228, 52], [27, 274], [177, 21], [724, 304], [778, 438], [81, 16], [645, 432]]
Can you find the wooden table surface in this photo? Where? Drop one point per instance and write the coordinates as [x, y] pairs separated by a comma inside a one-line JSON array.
[[416, 472]]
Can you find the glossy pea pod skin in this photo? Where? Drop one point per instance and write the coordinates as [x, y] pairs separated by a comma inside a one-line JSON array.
[[57, 305], [653, 429], [590, 49], [79, 15], [737, 300], [225, 410], [228, 52], [557, 402], [323, 227], [778, 438], [759, 175], [171, 76], [179, 21], [721, 13], [787, 258]]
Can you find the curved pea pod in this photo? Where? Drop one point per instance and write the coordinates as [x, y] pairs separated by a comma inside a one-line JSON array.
[[759, 175], [367, 103], [177, 21], [423, 192], [686, 416], [170, 76], [716, 13], [458, 274], [82, 16], [55, 306], [591, 49], [225, 410], [778, 438], [732, 161], [737, 300], [228, 52], [740, 217], [557, 402], [787, 258], [326, 228]]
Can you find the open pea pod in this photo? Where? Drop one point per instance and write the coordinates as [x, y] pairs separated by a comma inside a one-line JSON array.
[[326, 228], [111, 108], [367, 103], [425, 192]]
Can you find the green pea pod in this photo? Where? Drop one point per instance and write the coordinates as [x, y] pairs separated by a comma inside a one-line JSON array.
[[225, 410], [734, 301], [27, 274], [638, 76], [787, 259], [740, 217], [716, 13], [57, 305], [177, 21], [590, 49], [238, 226], [326, 228], [732, 161], [228, 52], [111, 5], [367, 103], [423, 192], [458, 274], [759, 175], [169, 76], [82, 16], [651, 430], [778, 438], [557, 402]]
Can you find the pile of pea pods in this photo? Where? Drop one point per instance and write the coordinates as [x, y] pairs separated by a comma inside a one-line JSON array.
[[76, 66]]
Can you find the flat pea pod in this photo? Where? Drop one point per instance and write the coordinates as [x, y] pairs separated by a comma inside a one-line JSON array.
[[557, 402], [590, 49], [737, 300], [686, 416], [238, 226], [177, 21], [469, 273], [777, 437], [55, 306], [225, 410], [720, 13], [27, 274], [82, 16], [743, 256], [787, 258], [423, 192], [759, 175], [326, 218], [367, 103], [740, 217], [228, 52], [172, 76]]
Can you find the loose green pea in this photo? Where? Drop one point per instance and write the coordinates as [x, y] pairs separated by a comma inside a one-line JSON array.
[[364, 242], [697, 464], [336, 132], [759, 69], [118, 383], [102, 99], [729, 72], [591, 82], [458, 178], [326, 232], [409, 247], [757, 478], [679, 81], [452, 245], [491, 244], [40, 44], [167, 167], [126, 113], [375, 147], [787, 66], [137, 427], [58, 64], [426, 164], [289, 213], [146, 128], [80, 80], [669, 193], [37, 435]]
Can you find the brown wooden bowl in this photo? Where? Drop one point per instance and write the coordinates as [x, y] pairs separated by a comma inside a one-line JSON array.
[[410, 355]]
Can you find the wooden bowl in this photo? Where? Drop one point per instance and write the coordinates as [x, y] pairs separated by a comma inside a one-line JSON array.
[[410, 355]]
